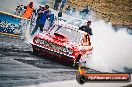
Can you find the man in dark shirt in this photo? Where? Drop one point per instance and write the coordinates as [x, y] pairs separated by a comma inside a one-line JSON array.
[[60, 14], [56, 4], [86, 28]]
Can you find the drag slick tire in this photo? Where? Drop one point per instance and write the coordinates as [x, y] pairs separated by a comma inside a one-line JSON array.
[[35, 51], [81, 79]]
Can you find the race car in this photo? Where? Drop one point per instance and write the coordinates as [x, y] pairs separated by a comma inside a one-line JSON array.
[[65, 43]]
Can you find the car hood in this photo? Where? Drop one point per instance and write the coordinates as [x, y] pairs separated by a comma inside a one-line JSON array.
[[58, 39]]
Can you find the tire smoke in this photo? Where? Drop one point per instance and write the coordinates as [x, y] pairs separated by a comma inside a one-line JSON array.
[[112, 50]]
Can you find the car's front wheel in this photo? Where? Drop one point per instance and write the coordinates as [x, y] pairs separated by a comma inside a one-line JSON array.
[[34, 50]]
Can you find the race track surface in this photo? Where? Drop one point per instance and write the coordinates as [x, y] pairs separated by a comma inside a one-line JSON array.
[[19, 66]]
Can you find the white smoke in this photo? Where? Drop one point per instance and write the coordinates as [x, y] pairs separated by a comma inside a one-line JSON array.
[[112, 50]]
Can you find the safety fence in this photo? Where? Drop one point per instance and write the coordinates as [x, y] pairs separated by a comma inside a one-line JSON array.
[[13, 25]]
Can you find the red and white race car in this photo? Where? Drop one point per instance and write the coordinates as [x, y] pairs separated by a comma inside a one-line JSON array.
[[65, 43]]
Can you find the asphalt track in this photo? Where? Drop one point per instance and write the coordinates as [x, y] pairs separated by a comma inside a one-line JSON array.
[[19, 66]]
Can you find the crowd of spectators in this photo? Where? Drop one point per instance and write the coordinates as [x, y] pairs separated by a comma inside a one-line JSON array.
[[60, 5], [43, 13]]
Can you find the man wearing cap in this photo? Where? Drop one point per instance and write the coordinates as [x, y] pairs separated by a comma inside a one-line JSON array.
[[41, 19]]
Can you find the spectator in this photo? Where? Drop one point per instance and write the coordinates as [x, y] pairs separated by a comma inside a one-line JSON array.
[[68, 9], [19, 10], [41, 19], [87, 28], [38, 9], [33, 18], [84, 12], [60, 14], [56, 4], [29, 9], [73, 12], [63, 4], [51, 19], [23, 10]]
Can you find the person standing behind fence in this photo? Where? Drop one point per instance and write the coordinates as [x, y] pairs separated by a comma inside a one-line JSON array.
[[63, 4], [68, 10], [19, 10], [56, 4], [60, 14], [42, 16], [28, 12], [38, 10], [51, 20], [84, 12], [73, 13]]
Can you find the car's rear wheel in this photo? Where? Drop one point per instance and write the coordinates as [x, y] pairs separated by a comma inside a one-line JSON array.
[[80, 78]]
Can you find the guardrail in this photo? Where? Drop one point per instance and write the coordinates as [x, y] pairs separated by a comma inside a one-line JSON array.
[[13, 25]]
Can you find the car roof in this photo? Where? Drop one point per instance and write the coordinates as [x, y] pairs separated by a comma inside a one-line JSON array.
[[69, 26]]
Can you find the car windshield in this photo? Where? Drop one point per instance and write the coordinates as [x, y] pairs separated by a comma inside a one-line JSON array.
[[75, 22], [72, 35]]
